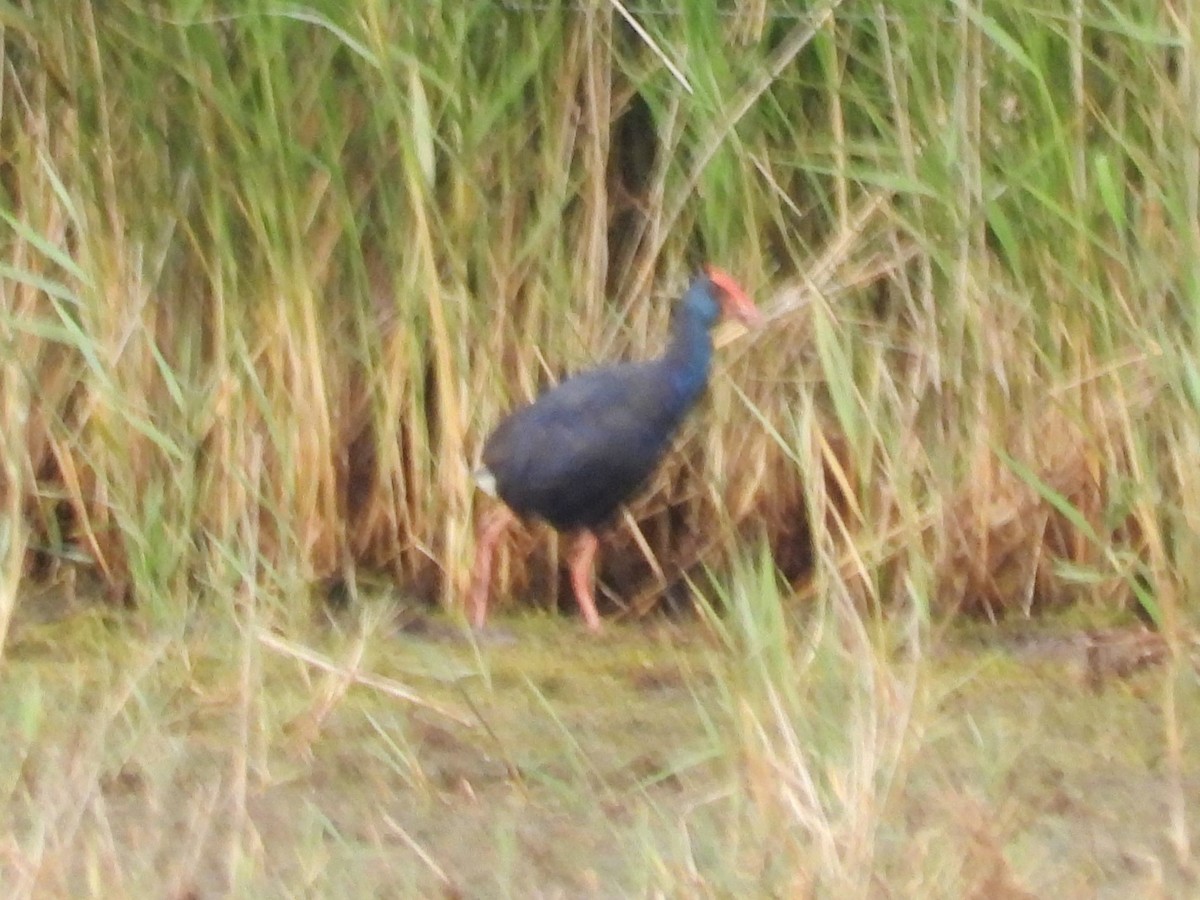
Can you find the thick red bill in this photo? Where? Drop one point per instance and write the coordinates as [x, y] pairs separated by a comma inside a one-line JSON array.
[[735, 302]]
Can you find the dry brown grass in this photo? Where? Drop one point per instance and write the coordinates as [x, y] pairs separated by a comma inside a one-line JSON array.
[[349, 331]]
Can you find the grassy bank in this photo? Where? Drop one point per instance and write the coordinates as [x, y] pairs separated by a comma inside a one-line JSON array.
[[270, 278]]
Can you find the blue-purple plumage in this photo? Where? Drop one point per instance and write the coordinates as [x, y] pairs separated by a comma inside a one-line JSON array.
[[584, 447], [578, 452], [575, 454]]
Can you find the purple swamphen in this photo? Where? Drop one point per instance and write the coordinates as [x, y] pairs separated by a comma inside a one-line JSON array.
[[584, 447]]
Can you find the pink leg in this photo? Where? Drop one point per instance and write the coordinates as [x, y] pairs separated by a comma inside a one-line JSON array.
[[582, 556], [491, 529]]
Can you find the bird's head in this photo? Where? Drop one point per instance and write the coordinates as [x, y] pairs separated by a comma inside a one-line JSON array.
[[714, 294]]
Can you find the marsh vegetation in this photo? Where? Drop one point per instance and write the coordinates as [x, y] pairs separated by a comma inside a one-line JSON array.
[[908, 611]]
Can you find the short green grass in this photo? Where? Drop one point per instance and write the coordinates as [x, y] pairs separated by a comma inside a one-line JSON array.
[[659, 760]]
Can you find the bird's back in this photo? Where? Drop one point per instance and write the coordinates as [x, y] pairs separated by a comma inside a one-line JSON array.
[[579, 451]]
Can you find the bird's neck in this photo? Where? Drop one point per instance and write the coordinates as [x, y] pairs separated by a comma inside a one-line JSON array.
[[688, 356]]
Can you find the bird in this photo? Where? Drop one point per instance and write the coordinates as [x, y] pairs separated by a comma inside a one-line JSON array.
[[584, 447]]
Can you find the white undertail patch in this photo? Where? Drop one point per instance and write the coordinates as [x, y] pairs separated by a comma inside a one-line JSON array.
[[485, 480]]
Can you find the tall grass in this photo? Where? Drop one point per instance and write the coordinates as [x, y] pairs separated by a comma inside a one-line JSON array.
[[336, 244], [270, 275]]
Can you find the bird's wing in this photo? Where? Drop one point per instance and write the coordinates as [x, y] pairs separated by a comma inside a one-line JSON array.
[[590, 441]]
